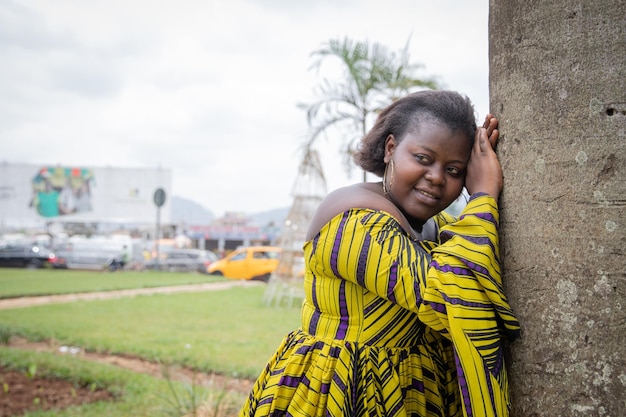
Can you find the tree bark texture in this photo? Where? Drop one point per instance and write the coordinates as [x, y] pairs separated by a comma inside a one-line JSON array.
[[558, 87]]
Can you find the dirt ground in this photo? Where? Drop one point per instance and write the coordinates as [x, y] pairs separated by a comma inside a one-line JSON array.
[[21, 393]]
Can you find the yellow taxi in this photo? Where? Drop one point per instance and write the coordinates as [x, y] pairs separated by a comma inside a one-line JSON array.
[[249, 262]]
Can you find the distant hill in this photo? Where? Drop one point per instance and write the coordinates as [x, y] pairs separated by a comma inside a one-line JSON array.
[[276, 216], [189, 212]]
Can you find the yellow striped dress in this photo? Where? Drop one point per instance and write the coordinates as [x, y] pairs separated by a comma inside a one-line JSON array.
[[393, 326]]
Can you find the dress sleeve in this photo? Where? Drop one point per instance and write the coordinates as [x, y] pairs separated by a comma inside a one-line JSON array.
[[465, 269], [370, 249], [464, 300]]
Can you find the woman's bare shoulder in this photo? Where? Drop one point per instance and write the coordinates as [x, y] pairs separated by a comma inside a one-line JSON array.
[[362, 195]]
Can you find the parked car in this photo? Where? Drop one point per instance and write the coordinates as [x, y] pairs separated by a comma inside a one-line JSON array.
[[251, 263], [27, 256], [183, 260], [93, 258]]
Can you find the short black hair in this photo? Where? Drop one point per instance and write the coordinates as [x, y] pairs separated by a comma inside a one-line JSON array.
[[450, 108]]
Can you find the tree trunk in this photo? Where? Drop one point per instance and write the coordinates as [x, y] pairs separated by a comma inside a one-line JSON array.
[[558, 87]]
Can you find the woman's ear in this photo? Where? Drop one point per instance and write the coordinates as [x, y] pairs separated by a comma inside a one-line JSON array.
[[390, 146]]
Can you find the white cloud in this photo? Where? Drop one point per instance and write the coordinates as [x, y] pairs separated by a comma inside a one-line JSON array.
[[208, 89]]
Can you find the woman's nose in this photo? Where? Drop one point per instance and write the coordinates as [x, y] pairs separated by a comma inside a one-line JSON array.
[[435, 175]]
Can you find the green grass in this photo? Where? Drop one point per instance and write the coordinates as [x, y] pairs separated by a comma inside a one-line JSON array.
[[16, 282], [137, 394], [229, 331]]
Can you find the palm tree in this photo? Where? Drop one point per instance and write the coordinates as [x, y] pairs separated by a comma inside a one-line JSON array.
[[373, 76]]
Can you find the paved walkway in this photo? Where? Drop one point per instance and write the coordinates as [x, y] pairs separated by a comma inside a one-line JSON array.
[[102, 295]]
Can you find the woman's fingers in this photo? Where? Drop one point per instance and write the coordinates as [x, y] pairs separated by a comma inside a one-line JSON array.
[[491, 126], [487, 121], [484, 173], [493, 138], [481, 141]]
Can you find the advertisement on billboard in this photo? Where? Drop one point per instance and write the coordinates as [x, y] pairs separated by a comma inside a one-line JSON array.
[[59, 191]]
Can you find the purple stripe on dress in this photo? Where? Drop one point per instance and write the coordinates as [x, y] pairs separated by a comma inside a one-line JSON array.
[[343, 312], [488, 217], [264, 401], [463, 385], [316, 240], [490, 388], [324, 388], [465, 303], [417, 384], [391, 283], [497, 366], [475, 267], [289, 381], [445, 236], [476, 195], [314, 292], [456, 270], [484, 216], [336, 244], [315, 318], [362, 262], [438, 307], [334, 352], [395, 410], [478, 240], [339, 382], [303, 349]]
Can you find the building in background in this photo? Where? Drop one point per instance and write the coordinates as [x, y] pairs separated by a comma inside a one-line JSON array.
[[231, 231]]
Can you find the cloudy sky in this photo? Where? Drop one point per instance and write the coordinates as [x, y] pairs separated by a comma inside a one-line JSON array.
[[206, 88]]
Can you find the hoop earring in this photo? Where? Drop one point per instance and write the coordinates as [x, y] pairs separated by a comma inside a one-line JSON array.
[[387, 187]]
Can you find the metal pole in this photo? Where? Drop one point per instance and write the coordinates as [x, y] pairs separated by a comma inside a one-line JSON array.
[[157, 237]]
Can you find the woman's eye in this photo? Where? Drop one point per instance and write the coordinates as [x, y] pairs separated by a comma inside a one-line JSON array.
[[422, 158], [455, 172]]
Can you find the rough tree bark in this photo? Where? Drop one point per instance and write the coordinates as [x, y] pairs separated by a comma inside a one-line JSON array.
[[558, 86]]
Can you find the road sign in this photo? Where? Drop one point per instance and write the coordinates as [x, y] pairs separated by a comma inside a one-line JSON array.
[[159, 197]]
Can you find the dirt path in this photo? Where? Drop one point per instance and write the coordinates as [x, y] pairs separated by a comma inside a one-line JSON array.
[[26, 393], [20, 302], [137, 364]]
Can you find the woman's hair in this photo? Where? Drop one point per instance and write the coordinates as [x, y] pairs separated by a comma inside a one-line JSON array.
[[406, 114]]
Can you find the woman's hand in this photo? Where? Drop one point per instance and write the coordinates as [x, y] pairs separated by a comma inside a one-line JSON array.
[[484, 173]]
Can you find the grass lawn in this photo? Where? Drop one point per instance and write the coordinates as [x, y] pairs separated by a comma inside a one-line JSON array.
[[15, 282], [228, 331]]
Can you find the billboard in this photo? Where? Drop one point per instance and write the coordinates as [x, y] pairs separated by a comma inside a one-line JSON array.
[[32, 195]]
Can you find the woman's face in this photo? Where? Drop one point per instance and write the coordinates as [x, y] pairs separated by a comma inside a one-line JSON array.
[[428, 170]]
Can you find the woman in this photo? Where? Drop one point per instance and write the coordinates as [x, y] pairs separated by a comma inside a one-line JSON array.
[[404, 307]]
